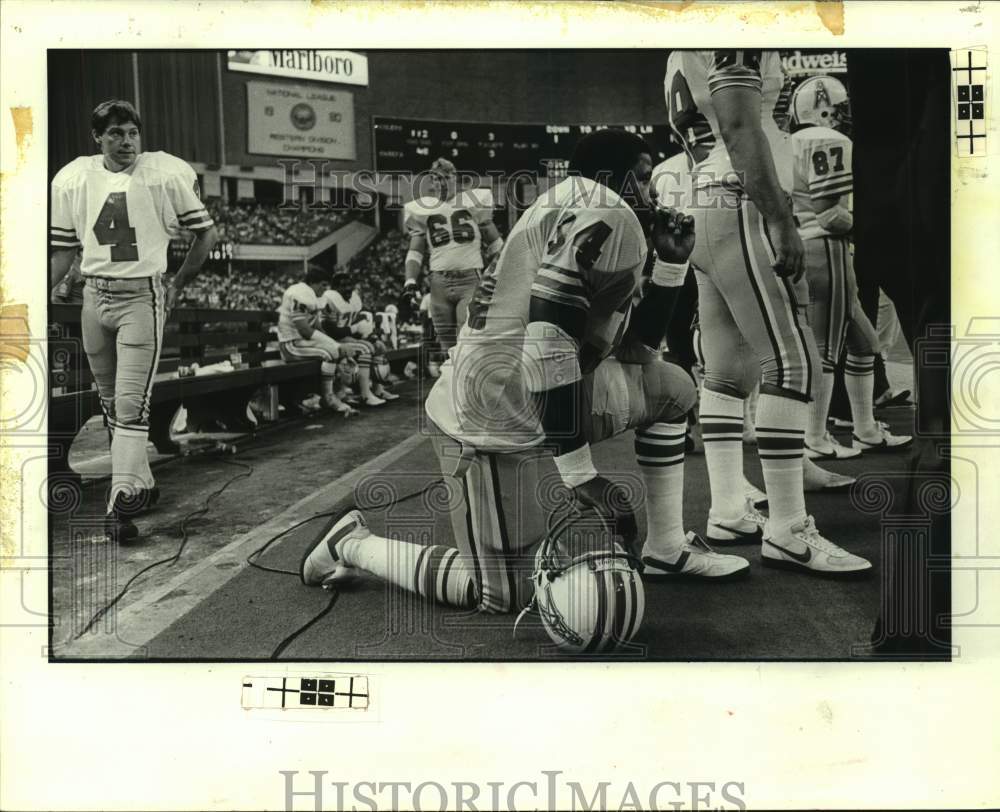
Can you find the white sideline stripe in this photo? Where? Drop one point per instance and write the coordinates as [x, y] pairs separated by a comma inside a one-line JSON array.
[[142, 620]]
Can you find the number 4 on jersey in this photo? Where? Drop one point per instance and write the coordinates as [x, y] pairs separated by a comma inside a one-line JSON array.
[[113, 228]]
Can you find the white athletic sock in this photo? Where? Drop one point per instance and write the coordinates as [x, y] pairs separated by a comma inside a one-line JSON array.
[[780, 429], [659, 450], [129, 463], [859, 380], [433, 571], [722, 432], [818, 409]]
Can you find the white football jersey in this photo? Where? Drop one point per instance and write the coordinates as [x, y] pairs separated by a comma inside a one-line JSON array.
[[822, 169], [451, 227], [578, 245], [299, 304], [692, 77], [339, 310], [124, 220]]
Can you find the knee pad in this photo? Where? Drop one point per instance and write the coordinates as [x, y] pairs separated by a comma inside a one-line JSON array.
[[328, 369], [669, 390]]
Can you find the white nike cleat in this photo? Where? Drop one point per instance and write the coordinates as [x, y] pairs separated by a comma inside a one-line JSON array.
[[881, 442], [754, 494], [696, 561], [803, 548], [747, 529], [816, 479], [321, 563], [829, 449]]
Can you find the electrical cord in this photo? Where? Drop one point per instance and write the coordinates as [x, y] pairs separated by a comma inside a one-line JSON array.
[[252, 559], [248, 471]]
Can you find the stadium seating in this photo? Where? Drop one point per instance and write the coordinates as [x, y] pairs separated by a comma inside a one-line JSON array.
[[253, 223]]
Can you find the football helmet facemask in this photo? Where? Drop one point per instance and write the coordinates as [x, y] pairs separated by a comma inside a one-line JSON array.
[[821, 101], [588, 592]]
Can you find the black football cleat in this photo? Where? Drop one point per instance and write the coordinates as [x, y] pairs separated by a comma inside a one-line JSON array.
[[139, 502]]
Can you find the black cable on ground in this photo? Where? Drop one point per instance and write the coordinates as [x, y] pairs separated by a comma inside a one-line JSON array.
[[252, 559], [248, 471]]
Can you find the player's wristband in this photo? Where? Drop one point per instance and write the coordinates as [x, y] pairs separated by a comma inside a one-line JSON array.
[[576, 467], [414, 256], [669, 274]]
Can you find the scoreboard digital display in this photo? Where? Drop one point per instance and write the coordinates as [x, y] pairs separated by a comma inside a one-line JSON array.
[[410, 145]]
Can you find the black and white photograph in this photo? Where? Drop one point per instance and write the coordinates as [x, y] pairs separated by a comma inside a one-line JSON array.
[[615, 362], [384, 381]]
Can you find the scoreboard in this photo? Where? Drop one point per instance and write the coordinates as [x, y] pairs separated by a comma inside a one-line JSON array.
[[410, 145]]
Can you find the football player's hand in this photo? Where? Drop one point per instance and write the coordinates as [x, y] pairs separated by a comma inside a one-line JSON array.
[[611, 500], [171, 300], [410, 300], [673, 235], [790, 261]]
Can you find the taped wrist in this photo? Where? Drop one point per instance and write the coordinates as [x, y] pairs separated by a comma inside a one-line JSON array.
[[551, 357], [414, 256], [494, 247], [836, 220], [576, 467], [668, 274]]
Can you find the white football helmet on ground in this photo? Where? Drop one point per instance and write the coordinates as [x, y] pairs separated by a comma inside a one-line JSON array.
[[588, 593], [822, 101]]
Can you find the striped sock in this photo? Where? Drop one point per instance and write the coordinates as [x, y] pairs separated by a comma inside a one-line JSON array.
[[820, 406], [432, 571], [659, 450], [722, 431], [859, 380], [780, 430]]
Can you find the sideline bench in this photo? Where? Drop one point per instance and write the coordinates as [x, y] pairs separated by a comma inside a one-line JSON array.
[[191, 335]]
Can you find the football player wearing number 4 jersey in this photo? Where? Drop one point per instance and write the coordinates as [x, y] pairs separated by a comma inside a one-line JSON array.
[[122, 207], [751, 300], [822, 182]]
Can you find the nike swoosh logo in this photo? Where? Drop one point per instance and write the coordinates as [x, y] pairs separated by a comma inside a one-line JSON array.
[[756, 535], [802, 558], [677, 566]]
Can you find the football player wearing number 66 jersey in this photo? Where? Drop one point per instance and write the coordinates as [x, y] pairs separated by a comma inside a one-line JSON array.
[[456, 228], [121, 207]]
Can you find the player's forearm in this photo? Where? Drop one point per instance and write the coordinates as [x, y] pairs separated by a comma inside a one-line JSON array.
[[60, 263], [562, 417], [750, 154], [552, 347], [653, 314], [413, 268], [204, 241]]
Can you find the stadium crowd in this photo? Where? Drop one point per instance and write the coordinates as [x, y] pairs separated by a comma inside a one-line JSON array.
[[252, 223], [377, 272]]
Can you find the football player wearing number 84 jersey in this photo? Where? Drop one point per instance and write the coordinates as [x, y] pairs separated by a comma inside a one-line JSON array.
[[122, 207]]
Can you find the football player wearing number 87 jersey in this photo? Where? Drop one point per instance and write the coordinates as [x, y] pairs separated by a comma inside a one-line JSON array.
[[456, 228], [122, 206], [819, 111]]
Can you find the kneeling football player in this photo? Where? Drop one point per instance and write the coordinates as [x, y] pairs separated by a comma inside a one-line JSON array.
[[552, 359]]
